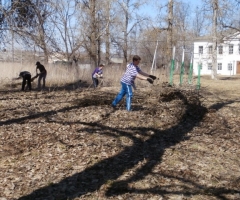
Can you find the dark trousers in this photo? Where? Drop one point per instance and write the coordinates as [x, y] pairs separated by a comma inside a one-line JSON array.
[[42, 76], [27, 79], [95, 82]]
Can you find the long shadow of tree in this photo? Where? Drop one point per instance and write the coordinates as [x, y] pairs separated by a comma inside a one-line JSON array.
[[110, 169]]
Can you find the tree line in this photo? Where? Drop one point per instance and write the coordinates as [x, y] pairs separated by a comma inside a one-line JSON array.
[[102, 29]]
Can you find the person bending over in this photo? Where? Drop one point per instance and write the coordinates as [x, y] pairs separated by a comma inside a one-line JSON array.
[[26, 78], [97, 73]]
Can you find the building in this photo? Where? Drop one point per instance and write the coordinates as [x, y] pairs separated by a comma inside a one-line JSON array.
[[228, 55]]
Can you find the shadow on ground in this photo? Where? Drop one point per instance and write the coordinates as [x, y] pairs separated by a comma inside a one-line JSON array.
[[151, 150], [16, 87]]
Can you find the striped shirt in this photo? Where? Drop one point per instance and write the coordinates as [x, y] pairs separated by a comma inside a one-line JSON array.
[[130, 74]]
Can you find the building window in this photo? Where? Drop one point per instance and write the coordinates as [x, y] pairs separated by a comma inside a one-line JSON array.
[[209, 66], [200, 49], [229, 66], [219, 66], [230, 51], [210, 49], [220, 50]]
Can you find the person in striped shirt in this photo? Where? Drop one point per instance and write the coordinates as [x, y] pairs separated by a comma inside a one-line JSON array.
[[127, 81]]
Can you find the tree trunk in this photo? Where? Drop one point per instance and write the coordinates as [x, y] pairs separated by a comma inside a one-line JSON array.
[[107, 38], [214, 52], [93, 48], [125, 31], [169, 31]]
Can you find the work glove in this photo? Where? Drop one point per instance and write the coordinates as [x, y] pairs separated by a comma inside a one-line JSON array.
[[150, 80], [152, 77]]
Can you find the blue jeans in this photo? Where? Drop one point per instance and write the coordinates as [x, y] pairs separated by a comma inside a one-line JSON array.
[[125, 90]]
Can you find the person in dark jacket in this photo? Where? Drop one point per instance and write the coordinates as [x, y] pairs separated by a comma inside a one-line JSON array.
[[26, 76], [42, 74]]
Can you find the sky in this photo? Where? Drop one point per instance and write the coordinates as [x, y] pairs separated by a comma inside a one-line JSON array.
[[152, 9], [194, 3]]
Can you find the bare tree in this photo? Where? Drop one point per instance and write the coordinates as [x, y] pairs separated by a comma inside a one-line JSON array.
[[94, 26], [128, 19], [170, 29], [33, 31], [182, 34], [214, 31], [66, 38], [228, 16], [93, 35], [107, 36], [218, 10], [198, 22]]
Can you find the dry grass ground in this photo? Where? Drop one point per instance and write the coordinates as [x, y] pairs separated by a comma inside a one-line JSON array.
[[68, 143]]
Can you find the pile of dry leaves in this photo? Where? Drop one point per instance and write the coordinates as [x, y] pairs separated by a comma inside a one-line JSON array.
[[73, 145]]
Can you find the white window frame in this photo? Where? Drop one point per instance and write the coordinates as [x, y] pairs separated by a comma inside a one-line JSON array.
[[219, 66], [200, 49], [230, 66], [230, 49], [210, 49], [209, 66], [220, 49]]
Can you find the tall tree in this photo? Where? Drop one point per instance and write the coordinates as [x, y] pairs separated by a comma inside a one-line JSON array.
[[198, 22], [107, 36], [2, 23], [94, 30], [170, 29], [214, 34], [29, 20], [127, 21], [218, 10], [66, 39], [91, 22], [229, 15]]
